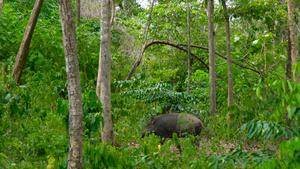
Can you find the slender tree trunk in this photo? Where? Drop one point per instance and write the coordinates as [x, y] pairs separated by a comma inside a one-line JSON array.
[[98, 86], [189, 48], [289, 58], [24, 11], [74, 88], [212, 59], [113, 5], [1, 6], [124, 4], [136, 63], [229, 64], [138, 60], [292, 37], [107, 133], [78, 12], [265, 50], [288, 72], [298, 30], [24, 48]]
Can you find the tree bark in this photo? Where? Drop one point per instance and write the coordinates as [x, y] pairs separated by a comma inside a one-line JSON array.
[[292, 37], [211, 44], [289, 58], [229, 65], [78, 12], [288, 73], [107, 132], [1, 6], [24, 48], [113, 5], [74, 88], [98, 85], [189, 48]]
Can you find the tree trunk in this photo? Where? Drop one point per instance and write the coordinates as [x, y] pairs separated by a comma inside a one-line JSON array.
[[24, 11], [288, 73], [24, 48], [189, 48], [292, 37], [289, 58], [212, 59], [229, 65], [98, 85], [107, 132], [298, 37], [138, 60], [265, 50], [136, 63], [74, 88], [78, 12], [1, 6]]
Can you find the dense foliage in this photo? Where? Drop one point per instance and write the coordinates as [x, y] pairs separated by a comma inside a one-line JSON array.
[[265, 132]]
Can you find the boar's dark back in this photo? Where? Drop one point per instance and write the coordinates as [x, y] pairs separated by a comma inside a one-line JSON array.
[[167, 124]]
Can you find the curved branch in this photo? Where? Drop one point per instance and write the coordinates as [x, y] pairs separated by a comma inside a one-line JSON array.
[[224, 57], [178, 46], [138, 60]]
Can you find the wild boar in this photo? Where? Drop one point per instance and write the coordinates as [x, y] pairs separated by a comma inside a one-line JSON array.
[[165, 125]]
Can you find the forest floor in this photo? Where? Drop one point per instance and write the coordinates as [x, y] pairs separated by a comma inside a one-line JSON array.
[[222, 147]]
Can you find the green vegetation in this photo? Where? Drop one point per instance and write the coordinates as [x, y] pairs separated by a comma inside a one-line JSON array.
[[34, 114]]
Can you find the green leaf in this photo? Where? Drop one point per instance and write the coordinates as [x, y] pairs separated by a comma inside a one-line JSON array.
[[282, 149], [7, 98], [4, 161], [283, 87], [290, 133], [298, 98], [258, 94], [62, 107], [255, 42], [289, 109], [270, 132], [158, 109], [175, 138], [290, 149], [290, 86], [92, 99], [252, 130], [102, 151], [252, 134], [296, 142], [259, 126], [243, 127], [276, 115], [93, 119], [236, 38], [297, 67]]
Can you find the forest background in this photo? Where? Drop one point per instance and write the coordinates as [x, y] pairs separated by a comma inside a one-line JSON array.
[[263, 130]]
